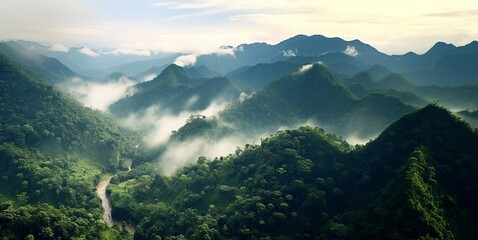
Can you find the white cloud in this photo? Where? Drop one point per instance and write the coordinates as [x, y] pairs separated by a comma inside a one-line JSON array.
[[305, 68], [127, 51], [186, 26], [58, 48], [351, 51], [150, 77], [88, 52], [178, 154], [165, 4], [159, 123], [244, 96], [98, 95], [186, 60], [288, 53]]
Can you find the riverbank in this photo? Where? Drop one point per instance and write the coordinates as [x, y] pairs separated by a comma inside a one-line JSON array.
[[106, 204]]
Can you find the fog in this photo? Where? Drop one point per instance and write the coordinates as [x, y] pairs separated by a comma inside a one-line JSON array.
[[159, 122], [98, 95], [179, 154]]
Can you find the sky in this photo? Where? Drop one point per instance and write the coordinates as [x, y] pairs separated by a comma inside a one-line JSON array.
[[201, 26]]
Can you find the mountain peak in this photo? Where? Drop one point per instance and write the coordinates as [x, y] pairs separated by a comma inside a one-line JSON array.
[[440, 48], [433, 127], [172, 75]]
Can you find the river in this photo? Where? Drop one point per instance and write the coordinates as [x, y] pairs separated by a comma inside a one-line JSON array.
[[106, 204]]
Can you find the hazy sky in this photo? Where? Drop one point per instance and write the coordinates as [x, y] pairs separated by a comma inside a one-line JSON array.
[[203, 25]]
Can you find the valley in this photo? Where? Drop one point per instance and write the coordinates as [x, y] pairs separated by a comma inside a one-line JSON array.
[[309, 138]]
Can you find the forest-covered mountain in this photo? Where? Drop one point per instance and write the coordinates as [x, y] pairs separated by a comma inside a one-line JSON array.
[[308, 94], [177, 89], [454, 97], [53, 152], [415, 181], [48, 69], [315, 94], [443, 64]]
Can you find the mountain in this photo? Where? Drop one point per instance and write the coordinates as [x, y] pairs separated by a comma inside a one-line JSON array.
[[453, 97], [315, 94], [255, 77], [415, 181], [49, 69], [174, 90], [200, 97], [396, 82], [89, 59], [53, 153], [455, 66], [442, 64], [138, 67], [201, 71], [301, 45]]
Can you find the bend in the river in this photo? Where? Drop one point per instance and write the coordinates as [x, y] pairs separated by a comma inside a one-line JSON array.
[[106, 204]]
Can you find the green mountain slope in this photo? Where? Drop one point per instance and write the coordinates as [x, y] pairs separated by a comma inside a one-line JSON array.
[[176, 91], [49, 69], [255, 77], [52, 152], [317, 95], [415, 181]]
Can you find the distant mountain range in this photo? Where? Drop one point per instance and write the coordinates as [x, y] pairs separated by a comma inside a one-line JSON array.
[[320, 99], [47, 68], [89, 59], [443, 64]]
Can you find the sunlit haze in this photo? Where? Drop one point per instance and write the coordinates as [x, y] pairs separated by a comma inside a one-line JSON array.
[[199, 26]]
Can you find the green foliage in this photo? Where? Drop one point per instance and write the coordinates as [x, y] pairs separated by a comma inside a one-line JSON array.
[[174, 91], [318, 95], [37, 116], [52, 154], [415, 181], [43, 221]]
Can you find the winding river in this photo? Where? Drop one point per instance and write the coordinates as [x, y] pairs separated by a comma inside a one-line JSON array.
[[106, 204]]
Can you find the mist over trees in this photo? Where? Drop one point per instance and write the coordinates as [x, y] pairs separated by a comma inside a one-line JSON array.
[[310, 138]]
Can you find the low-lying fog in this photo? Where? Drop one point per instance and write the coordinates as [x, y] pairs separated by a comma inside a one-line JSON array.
[[158, 124]]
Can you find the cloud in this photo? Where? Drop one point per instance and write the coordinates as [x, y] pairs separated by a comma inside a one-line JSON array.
[[179, 154], [128, 51], [58, 48], [98, 95], [159, 122], [355, 139], [244, 96], [186, 60], [288, 53], [305, 68], [165, 4], [149, 77], [186, 26], [351, 51], [88, 52]]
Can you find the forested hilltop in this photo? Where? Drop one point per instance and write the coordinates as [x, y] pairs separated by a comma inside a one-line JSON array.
[[415, 181], [310, 138], [53, 152]]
